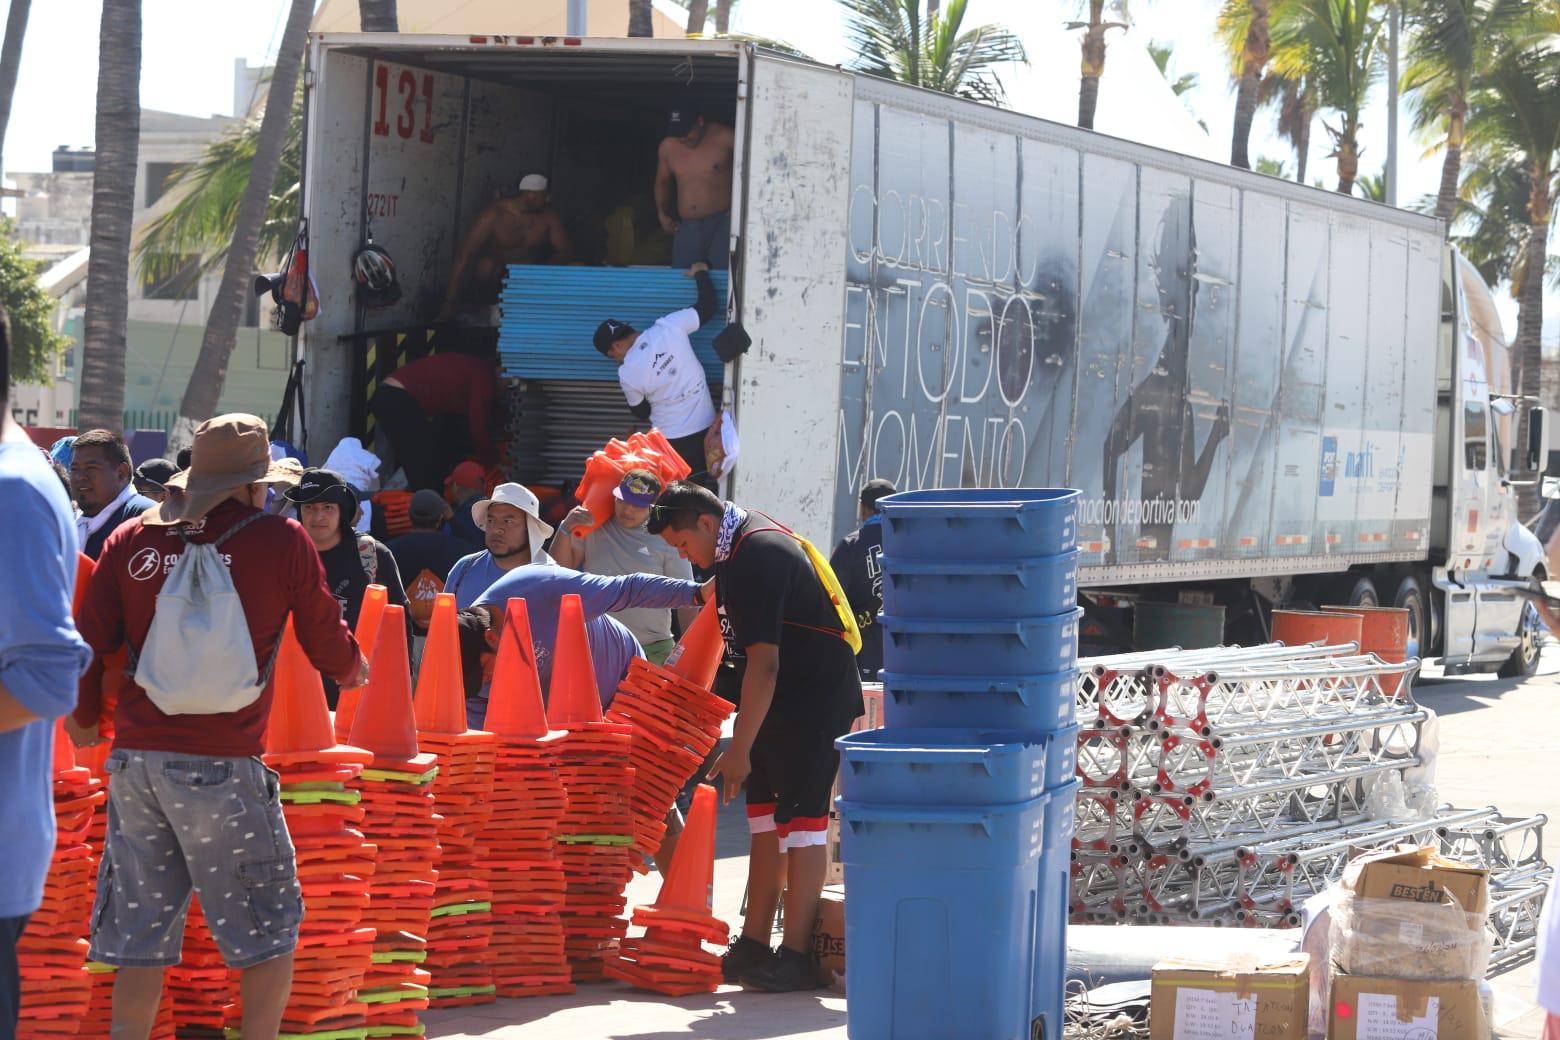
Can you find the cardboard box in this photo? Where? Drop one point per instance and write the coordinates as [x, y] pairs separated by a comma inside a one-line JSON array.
[[1420, 875], [829, 939], [1366, 1008], [1410, 913], [1248, 998]]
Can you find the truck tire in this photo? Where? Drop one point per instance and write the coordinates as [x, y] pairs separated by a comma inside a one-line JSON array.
[[1360, 591], [1523, 661], [1411, 597]]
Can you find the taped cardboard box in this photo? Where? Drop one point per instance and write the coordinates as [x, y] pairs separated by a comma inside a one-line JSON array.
[[1366, 1008], [1245, 999], [1411, 913], [829, 939]]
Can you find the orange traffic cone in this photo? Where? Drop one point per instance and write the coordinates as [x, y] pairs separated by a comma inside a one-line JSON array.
[[383, 723], [440, 704], [572, 698], [515, 706], [85, 565], [375, 598], [697, 655], [686, 895], [300, 719]]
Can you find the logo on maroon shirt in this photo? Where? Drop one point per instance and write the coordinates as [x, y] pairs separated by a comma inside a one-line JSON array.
[[145, 564]]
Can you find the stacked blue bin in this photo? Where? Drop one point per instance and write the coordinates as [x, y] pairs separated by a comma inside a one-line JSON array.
[[957, 816]]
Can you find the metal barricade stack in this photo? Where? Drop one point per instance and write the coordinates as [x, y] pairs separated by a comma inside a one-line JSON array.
[[1226, 786]]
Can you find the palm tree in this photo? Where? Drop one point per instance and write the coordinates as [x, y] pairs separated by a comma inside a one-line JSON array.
[[640, 20], [895, 40], [378, 16], [205, 196], [1093, 68], [1336, 44], [1271, 167], [1514, 121], [1244, 27], [1295, 99], [118, 137], [1451, 41], [1372, 186], [1162, 53], [698, 14], [204, 389], [723, 17], [1490, 221], [11, 62]]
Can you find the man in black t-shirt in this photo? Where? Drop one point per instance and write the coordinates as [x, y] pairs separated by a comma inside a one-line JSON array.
[[858, 561], [800, 691]]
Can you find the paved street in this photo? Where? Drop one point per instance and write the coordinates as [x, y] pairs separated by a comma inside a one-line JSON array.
[[1496, 749]]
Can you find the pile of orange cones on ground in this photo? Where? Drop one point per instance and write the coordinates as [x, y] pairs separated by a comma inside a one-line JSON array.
[[334, 860], [596, 829], [52, 954], [461, 929], [670, 957], [198, 984], [525, 874], [676, 721], [397, 792]]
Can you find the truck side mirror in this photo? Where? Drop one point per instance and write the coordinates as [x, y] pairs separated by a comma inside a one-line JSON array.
[[1537, 457]]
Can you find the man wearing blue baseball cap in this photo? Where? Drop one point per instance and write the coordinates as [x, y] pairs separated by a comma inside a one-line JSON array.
[[623, 546]]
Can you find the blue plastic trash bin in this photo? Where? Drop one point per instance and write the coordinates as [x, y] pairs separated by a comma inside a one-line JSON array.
[[941, 767], [1014, 646], [979, 523], [941, 919], [1055, 900], [1031, 703], [958, 588]]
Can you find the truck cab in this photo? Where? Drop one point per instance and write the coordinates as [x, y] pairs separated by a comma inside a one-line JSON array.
[[1478, 547]]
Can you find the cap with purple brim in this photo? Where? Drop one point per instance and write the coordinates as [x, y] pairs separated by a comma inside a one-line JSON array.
[[639, 487]]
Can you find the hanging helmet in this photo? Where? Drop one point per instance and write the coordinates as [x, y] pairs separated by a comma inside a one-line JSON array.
[[374, 272]]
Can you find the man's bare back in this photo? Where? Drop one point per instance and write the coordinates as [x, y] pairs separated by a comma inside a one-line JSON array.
[[700, 173], [509, 231]]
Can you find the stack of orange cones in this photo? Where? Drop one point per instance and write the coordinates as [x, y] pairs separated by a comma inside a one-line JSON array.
[[397, 792], [334, 859], [52, 954], [670, 957], [461, 929], [525, 874], [605, 468], [199, 982], [375, 599], [593, 763], [676, 723]]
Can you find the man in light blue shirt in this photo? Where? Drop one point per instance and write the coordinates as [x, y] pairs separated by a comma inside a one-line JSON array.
[[511, 523], [41, 659], [612, 647]]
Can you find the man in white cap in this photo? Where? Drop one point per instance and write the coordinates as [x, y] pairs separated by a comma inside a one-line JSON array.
[[513, 530], [520, 229]]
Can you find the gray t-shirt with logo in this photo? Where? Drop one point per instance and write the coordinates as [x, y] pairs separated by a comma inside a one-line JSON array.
[[614, 550]]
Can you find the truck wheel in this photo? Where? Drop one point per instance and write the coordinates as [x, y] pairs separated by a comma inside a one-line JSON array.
[[1360, 593], [1523, 661], [1410, 596]]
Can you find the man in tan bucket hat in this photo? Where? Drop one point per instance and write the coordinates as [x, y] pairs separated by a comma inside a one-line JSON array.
[[192, 808]]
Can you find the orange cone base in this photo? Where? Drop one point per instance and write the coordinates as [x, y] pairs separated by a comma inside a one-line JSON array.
[[672, 984]]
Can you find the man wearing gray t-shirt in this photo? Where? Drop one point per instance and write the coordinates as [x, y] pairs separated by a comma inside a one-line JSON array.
[[622, 546]]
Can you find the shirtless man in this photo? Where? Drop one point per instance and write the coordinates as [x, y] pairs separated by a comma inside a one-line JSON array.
[[518, 230], [695, 166]]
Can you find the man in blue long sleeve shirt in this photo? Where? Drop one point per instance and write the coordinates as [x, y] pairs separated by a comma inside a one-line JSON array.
[[612, 647], [41, 658]]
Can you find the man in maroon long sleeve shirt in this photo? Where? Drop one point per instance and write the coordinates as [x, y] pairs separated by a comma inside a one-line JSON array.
[[408, 401], [191, 806]]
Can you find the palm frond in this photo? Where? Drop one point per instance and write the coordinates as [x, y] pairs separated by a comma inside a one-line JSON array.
[[896, 40]]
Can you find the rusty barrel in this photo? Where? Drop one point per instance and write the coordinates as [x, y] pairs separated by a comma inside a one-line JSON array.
[[1298, 627], [1383, 632]]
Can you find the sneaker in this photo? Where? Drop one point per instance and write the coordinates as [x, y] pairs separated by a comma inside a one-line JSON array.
[[742, 956], [786, 972]]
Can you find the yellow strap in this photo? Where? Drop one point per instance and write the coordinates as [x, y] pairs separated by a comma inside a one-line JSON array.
[[831, 585]]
